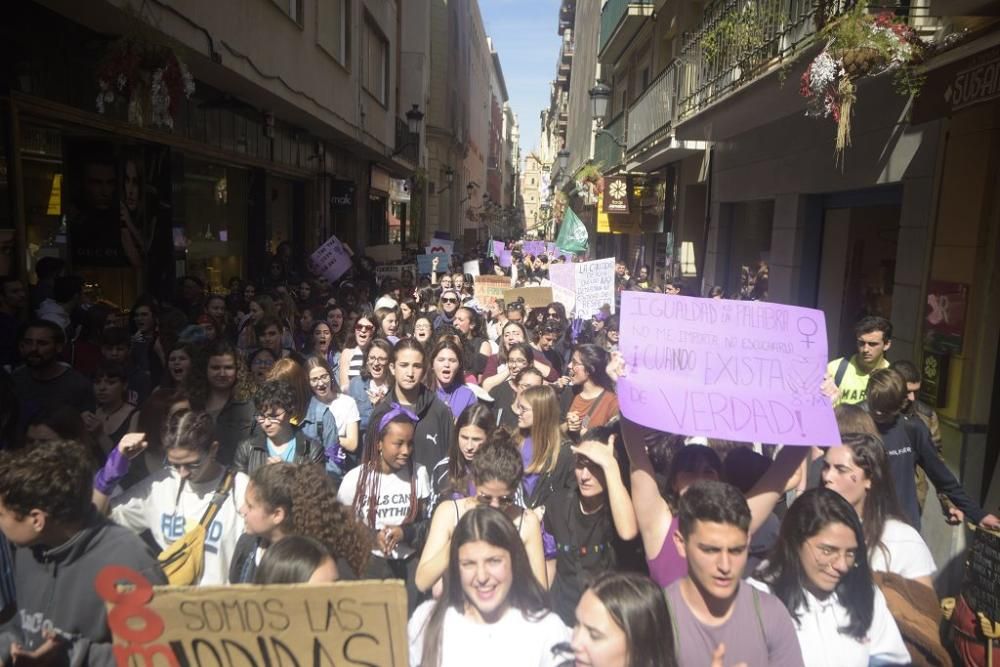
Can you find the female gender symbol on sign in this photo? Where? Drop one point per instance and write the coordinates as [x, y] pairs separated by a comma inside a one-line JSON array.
[[801, 325]]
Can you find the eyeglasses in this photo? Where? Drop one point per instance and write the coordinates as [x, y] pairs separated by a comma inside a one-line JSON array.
[[274, 419], [320, 379], [191, 467], [364, 328], [378, 361], [501, 501], [826, 555]]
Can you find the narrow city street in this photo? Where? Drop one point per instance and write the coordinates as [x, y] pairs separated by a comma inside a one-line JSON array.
[[409, 333]]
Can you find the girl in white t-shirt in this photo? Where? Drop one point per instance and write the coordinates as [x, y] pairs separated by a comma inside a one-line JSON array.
[[343, 408], [389, 494], [859, 471], [173, 499], [492, 608], [819, 570]]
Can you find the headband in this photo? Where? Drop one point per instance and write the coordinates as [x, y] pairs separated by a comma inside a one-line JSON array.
[[396, 411]]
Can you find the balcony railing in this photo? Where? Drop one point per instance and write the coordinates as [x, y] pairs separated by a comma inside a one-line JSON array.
[[614, 12], [606, 152], [653, 113], [740, 39], [409, 143]]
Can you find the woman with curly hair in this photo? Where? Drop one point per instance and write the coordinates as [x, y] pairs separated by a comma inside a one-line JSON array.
[[222, 387], [287, 499], [276, 439]]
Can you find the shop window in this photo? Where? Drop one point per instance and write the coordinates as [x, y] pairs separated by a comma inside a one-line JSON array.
[[334, 29], [214, 220], [376, 62]]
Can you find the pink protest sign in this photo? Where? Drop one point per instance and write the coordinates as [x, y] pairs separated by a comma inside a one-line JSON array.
[[747, 371]]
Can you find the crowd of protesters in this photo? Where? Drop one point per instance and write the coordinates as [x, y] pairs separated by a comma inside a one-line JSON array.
[[473, 449]]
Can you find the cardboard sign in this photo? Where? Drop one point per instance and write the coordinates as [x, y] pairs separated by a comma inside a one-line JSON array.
[[425, 263], [490, 287], [392, 271], [747, 371], [981, 587], [331, 260], [590, 284], [350, 623], [534, 297], [471, 268], [440, 246], [385, 253]]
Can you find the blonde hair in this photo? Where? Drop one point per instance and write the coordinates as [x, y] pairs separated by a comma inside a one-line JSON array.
[[854, 419], [546, 438]]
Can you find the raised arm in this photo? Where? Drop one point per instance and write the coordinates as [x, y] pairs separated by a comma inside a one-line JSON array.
[[622, 512], [652, 513], [434, 558], [781, 476]]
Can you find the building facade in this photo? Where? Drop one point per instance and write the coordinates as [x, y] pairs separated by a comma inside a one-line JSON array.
[[290, 134]]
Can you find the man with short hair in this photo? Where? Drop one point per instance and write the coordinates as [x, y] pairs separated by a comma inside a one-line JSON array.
[[63, 545], [13, 299], [847, 378], [713, 609], [908, 445], [45, 382]]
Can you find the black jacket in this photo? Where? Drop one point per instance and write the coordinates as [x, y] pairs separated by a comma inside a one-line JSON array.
[[55, 588], [252, 452], [432, 436]]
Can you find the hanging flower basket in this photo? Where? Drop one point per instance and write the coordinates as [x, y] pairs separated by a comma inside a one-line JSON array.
[[148, 79], [858, 45]]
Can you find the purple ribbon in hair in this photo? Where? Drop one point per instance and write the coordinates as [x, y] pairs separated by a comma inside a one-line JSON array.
[[396, 411]]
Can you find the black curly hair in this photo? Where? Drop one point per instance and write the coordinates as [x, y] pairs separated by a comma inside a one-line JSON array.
[[55, 477]]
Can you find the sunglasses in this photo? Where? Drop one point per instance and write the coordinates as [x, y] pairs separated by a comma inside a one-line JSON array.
[[449, 300], [502, 501], [366, 328]]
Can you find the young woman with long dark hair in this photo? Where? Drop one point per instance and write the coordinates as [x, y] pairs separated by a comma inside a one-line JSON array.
[[859, 471], [452, 476], [819, 570], [374, 383], [352, 358], [595, 402], [221, 385], [495, 480], [389, 493], [491, 608], [321, 343], [447, 377], [620, 622]]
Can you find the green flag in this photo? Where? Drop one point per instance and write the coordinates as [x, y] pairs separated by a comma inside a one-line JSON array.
[[572, 234]]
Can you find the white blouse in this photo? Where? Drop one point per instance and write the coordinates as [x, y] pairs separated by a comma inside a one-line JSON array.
[[823, 645], [908, 555], [513, 640]]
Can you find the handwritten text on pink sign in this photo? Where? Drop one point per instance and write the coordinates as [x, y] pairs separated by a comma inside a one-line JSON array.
[[736, 370]]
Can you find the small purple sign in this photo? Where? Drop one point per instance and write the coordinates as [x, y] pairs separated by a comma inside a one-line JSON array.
[[747, 371]]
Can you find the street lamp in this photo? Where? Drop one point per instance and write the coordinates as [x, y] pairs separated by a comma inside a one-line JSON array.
[[563, 157], [414, 120], [600, 97], [449, 176]]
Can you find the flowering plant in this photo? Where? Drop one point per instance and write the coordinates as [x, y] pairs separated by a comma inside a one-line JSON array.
[[858, 44], [144, 77]]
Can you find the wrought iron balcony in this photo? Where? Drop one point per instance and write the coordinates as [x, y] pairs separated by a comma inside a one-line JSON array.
[[607, 153], [652, 115], [620, 21]]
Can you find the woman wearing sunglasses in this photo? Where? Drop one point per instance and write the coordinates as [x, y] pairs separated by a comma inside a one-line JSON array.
[[819, 569], [447, 306], [496, 479], [352, 359], [175, 497]]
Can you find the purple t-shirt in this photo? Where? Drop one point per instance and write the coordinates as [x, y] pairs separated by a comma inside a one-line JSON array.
[[668, 566], [758, 632], [457, 398], [528, 483]]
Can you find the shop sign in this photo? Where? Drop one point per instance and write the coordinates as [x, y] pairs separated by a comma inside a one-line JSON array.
[[616, 190], [959, 85], [934, 379], [944, 318], [342, 194]]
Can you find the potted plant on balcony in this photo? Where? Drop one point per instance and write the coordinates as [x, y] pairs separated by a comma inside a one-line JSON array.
[[859, 44], [148, 79], [739, 38]]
